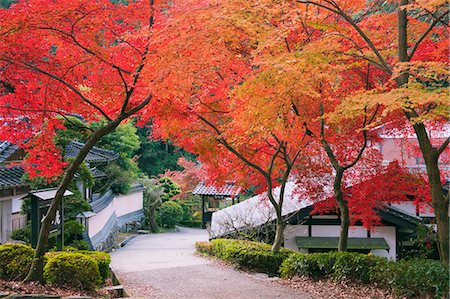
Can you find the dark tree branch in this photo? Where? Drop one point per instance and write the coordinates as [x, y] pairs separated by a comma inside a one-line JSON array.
[[422, 37], [68, 85], [443, 146]]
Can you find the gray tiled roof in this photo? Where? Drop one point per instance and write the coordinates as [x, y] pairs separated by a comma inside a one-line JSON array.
[[95, 154], [11, 177], [225, 190], [6, 150]]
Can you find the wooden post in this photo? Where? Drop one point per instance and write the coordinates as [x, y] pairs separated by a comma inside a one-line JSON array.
[[203, 212]]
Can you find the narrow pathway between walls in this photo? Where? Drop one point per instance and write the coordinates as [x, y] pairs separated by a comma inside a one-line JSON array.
[[164, 266]]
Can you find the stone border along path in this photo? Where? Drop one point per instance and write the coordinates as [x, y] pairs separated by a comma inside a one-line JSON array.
[[164, 266]]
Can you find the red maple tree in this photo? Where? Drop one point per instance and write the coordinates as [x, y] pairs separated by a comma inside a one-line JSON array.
[[61, 58]]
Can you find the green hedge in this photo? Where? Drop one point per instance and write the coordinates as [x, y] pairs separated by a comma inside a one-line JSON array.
[[416, 278], [15, 260], [251, 255], [204, 248], [410, 279], [102, 259], [72, 269]]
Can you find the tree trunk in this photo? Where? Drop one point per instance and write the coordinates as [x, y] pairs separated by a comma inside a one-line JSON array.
[[152, 219], [440, 203], [279, 233], [343, 209], [36, 271], [429, 154]]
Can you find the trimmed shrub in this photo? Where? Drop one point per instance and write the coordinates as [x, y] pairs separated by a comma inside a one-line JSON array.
[[72, 269], [251, 255], [170, 214], [103, 260], [314, 265], [15, 260], [355, 266], [411, 279], [204, 247], [417, 278]]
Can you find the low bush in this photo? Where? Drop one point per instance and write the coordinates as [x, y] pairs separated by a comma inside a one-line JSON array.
[[170, 214], [314, 265], [72, 269], [410, 279], [79, 244], [15, 260], [356, 266], [22, 234], [416, 278], [204, 247], [103, 260], [251, 255]]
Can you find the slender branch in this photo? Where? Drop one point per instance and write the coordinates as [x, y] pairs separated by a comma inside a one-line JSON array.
[[443, 146], [230, 148], [363, 147], [68, 85], [138, 107], [337, 10], [325, 143], [422, 37], [48, 111], [76, 42]]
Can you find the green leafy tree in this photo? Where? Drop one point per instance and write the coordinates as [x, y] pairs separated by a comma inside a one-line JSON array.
[[170, 214], [170, 188], [152, 200], [157, 156]]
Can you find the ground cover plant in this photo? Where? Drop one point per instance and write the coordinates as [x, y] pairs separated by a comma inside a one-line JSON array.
[[414, 278]]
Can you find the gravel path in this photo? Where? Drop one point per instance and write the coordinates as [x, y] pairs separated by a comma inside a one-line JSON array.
[[164, 266]]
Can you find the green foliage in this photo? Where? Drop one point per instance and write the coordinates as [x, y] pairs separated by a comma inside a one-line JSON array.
[[72, 269], [22, 234], [186, 211], [123, 139], [170, 188], [204, 248], [424, 246], [79, 244], [120, 180], [170, 214], [416, 278], [156, 156], [6, 3], [103, 260], [75, 204], [15, 260], [75, 130], [250, 255], [73, 230]]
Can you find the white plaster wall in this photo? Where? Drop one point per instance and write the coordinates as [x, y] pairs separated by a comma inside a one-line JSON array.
[[325, 231], [97, 222], [292, 231], [16, 205], [407, 206], [388, 233], [334, 230], [125, 204]]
